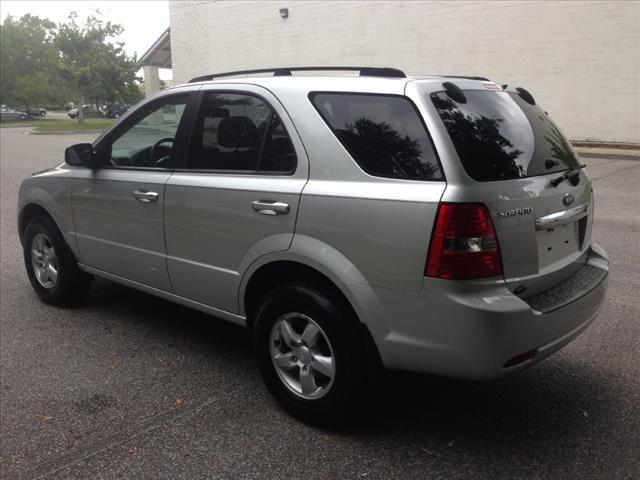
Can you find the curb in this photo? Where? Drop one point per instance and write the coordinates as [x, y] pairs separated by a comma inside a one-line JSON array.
[[66, 132], [633, 156]]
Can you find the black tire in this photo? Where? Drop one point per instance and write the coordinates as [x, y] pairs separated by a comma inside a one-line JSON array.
[[343, 398], [71, 285], [43, 114]]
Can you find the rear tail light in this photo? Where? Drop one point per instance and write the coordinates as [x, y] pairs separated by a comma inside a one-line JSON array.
[[463, 243]]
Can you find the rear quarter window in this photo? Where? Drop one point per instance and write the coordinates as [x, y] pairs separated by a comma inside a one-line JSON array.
[[384, 134]]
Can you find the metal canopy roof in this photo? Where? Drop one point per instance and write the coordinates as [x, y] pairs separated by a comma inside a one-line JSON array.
[[159, 54]]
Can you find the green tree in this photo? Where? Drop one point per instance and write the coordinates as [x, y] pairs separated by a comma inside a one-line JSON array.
[[92, 64], [28, 58]]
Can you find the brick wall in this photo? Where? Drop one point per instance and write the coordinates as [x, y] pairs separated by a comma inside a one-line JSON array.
[[581, 60]]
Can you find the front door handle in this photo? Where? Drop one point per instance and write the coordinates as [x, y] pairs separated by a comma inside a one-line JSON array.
[[145, 196], [270, 207]]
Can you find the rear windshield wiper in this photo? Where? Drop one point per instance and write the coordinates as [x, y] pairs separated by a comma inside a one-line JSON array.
[[572, 175]]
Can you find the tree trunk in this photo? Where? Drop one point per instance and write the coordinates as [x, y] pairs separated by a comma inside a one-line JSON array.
[[80, 109]]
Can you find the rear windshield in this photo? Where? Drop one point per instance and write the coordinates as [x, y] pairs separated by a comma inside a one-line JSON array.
[[499, 136], [383, 133]]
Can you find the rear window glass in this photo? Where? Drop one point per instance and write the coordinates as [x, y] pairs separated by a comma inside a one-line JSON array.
[[383, 134], [499, 136]]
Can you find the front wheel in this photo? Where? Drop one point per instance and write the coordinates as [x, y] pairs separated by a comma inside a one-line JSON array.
[[310, 353], [51, 266]]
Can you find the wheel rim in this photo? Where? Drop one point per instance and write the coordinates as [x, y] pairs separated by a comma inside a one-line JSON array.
[[302, 355], [44, 261]]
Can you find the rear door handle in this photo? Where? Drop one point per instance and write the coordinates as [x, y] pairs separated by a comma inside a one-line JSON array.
[[145, 196], [269, 207]]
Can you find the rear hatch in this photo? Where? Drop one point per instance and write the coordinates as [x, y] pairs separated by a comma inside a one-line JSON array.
[[527, 174]]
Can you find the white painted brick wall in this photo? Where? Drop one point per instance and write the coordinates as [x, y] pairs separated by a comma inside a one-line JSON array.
[[580, 59]]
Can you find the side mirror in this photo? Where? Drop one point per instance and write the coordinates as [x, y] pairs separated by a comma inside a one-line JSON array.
[[80, 155]]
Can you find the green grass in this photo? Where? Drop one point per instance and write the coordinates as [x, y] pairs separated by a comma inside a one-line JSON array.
[[66, 126], [30, 122], [54, 125]]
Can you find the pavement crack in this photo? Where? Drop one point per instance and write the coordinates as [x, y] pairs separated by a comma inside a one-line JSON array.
[[49, 467]]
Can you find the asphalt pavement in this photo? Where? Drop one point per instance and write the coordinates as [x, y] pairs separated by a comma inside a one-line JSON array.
[[131, 386]]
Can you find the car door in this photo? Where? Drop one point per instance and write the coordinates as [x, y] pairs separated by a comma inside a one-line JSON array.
[[118, 207], [236, 197]]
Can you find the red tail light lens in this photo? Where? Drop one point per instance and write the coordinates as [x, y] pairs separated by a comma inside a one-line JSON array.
[[463, 243]]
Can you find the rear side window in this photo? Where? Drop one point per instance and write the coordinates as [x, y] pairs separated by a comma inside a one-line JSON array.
[[242, 133], [499, 136], [383, 133]]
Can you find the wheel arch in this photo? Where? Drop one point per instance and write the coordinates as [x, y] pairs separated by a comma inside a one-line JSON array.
[[310, 259], [29, 211], [282, 271], [35, 207]]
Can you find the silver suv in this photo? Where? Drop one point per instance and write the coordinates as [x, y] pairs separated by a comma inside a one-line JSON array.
[[437, 224]]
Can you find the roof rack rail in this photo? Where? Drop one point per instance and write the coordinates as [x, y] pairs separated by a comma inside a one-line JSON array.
[[286, 71], [467, 78]]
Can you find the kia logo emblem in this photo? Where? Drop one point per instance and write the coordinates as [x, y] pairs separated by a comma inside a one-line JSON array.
[[567, 199]]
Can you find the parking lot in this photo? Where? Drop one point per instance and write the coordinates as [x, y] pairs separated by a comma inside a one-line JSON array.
[[131, 386]]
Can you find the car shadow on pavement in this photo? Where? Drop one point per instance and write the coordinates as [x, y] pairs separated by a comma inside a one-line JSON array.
[[549, 410], [554, 403], [168, 322]]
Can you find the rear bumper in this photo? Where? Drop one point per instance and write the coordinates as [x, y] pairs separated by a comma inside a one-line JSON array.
[[472, 329]]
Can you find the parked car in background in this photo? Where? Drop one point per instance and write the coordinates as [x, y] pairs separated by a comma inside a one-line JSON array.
[[11, 114], [90, 111], [115, 110], [35, 111], [38, 112]]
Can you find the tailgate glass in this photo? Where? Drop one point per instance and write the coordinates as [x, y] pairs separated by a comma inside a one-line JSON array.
[[499, 136]]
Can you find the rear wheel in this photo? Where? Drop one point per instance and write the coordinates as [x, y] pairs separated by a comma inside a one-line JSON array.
[[310, 353], [51, 266]]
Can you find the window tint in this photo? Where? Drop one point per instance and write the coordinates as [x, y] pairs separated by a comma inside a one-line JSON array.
[[499, 136], [240, 132], [383, 134], [149, 141]]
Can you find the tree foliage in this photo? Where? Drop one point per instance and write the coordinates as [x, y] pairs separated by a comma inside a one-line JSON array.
[[43, 62], [92, 65], [28, 73]]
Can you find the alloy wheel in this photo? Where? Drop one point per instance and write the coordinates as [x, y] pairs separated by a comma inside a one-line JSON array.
[[302, 355], [44, 261]]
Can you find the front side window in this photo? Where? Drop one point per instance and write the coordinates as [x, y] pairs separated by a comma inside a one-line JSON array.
[[242, 133], [383, 133], [149, 141]]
